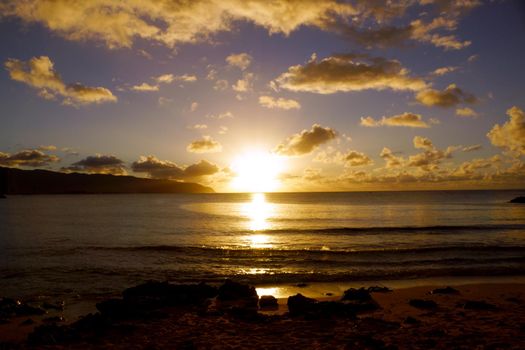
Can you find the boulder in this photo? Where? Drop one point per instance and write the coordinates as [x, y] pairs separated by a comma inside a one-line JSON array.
[[378, 289], [166, 294], [361, 295], [423, 304], [478, 305], [10, 307], [299, 304], [268, 302], [518, 200], [236, 292], [446, 290]]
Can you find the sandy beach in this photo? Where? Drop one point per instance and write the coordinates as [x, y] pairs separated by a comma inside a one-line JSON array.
[[471, 316]]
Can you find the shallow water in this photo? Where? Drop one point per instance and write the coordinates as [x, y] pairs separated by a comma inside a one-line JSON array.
[[97, 244]]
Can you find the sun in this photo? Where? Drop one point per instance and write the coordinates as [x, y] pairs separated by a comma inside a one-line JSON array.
[[257, 171]]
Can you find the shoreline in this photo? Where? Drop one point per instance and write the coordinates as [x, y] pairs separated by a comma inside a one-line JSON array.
[[506, 294]]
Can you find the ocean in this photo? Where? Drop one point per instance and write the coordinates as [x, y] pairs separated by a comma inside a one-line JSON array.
[[65, 246]]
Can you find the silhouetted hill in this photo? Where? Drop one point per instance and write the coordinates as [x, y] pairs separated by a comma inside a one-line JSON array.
[[17, 181]]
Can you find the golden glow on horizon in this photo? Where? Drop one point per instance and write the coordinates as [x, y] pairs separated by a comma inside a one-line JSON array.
[[257, 171], [258, 211]]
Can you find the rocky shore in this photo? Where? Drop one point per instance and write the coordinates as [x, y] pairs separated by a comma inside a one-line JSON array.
[[160, 315]]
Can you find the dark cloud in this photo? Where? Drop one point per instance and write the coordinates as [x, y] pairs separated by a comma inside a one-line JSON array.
[[27, 158], [449, 97], [164, 169], [98, 164], [306, 141]]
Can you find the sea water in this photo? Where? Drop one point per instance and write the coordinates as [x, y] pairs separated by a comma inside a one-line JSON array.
[[65, 245]]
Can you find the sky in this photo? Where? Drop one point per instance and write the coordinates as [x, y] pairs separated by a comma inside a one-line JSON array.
[[268, 95]]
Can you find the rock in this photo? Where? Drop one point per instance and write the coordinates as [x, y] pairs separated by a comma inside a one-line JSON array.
[[301, 285], [166, 294], [2, 196], [299, 304], [422, 304], [518, 200], [478, 305], [119, 308], [446, 290], [58, 306], [233, 291], [268, 302], [411, 320], [54, 319], [10, 307], [361, 294], [27, 322], [378, 289], [49, 334], [329, 294]]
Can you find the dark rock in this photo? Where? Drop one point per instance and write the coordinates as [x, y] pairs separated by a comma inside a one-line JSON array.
[[165, 294], [478, 305], [48, 335], [54, 319], [233, 291], [119, 308], [378, 289], [361, 294], [301, 285], [518, 200], [422, 304], [268, 302], [58, 306], [10, 307], [411, 320], [329, 294], [446, 290], [299, 305], [2, 196], [27, 322]]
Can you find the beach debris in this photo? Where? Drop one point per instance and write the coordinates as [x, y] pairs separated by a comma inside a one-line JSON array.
[[478, 305], [446, 290], [423, 304], [518, 200], [379, 289], [268, 302], [234, 291]]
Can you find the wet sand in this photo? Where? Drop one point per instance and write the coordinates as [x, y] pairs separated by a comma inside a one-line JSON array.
[[478, 316]]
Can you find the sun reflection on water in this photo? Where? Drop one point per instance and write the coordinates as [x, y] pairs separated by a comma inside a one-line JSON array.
[[258, 211]]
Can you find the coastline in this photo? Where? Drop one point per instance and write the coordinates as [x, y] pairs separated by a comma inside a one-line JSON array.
[[449, 324]]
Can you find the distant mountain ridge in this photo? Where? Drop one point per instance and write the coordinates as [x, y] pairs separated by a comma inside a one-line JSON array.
[[17, 181]]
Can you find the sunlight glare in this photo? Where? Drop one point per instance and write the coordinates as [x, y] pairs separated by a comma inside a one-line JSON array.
[[257, 171]]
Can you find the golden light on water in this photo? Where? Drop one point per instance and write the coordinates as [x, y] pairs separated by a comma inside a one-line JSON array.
[[258, 211], [257, 171]]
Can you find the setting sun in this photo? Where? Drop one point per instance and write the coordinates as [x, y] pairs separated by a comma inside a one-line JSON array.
[[257, 171]]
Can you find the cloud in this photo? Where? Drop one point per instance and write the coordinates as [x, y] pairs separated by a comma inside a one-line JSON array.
[[204, 145], [466, 112], [39, 73], [511, 135], [431, 157], [164, 78], [27, 158], [281, 103], [98, 164], [354, 158], [47, 148], [417, 30], [241, 60], [223, 129], [306, 141], [198, 127], [390, 158], [449, 97], [224, 115], [245, 84], [119, 23], [351, 72], [164, 169], [444, 70], [194, 106], [145, 87], [164, 101], [221, 85], [406, 119], [471, 148]]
